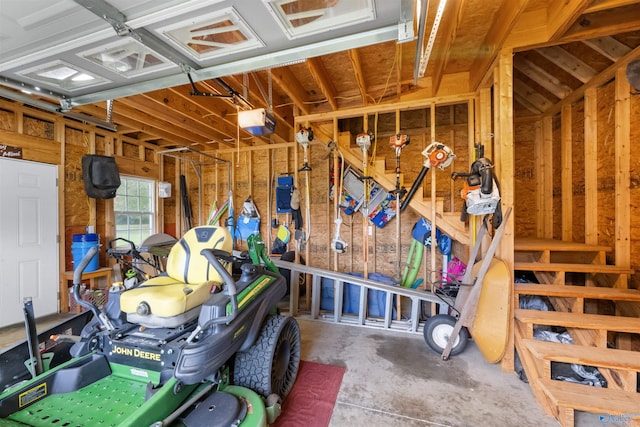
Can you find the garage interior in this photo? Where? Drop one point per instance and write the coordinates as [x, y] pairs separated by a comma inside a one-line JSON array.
[[547, 89]]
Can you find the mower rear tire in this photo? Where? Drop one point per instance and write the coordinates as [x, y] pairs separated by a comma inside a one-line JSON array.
[[438, 330], [271, 364]]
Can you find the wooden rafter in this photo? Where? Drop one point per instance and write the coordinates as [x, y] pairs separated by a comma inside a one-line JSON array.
[[167, 103], [604, 23], [290, 85], [136, 121], [324, 82], [182, 125], [448, 31], [534, 98], [568, 62], [541, 77], [608, 46], [598, 80], [357, 69], [600, 5], [503, 22], [562, 14]]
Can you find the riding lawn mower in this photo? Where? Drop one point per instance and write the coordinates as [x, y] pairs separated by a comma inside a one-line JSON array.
[[194, 346]]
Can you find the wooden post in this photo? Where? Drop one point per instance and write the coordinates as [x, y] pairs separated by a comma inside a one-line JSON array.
[[336, 187], [591, 166], [538, 155], [506, 172], [433, 278], [567, 176], [622, 171], [547, 177]]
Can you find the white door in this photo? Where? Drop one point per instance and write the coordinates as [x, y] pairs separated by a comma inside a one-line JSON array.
[[28, 238]]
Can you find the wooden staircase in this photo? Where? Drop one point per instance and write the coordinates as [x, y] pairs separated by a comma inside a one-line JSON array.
[[448, 222], [592, 302]]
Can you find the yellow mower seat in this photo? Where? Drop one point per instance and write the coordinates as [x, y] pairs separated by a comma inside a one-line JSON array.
[[172, 300]]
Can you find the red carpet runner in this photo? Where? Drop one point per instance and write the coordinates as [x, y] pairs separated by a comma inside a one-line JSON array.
[[314, 394]]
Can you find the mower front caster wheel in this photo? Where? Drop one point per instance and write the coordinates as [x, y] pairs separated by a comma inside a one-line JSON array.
[[438, 330]]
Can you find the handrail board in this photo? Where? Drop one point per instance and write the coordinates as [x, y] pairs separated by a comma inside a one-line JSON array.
[[582, 355], [530, 244], [592, 399], [579, 320], [573, 268], [569, 291]]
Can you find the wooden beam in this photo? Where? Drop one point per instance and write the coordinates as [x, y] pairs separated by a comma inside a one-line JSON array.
[[503, 21], [287, 81], [384, 108], [541, 77], [605, 23], [505, 163], [600, 5], [532, 96], [539, 166], [591, 166], [447, 35], [148, 123], [319, 74], [566, 173], [608, 47], [357, 69], [547, 176], [623, 169], [562, 14], [522, 100], [569, 63], [598, 80]]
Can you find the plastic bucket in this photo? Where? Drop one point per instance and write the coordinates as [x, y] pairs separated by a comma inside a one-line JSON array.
[[80, 247]]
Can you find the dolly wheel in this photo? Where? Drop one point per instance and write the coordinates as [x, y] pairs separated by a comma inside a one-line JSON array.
[[271, 364], [437, 331]]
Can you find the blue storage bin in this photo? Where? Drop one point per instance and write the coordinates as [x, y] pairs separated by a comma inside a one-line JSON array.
[[376, 299]]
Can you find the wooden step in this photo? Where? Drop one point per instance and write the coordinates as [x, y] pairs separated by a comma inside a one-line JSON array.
[[582, 355], [530, 244], [571, 268], [586, 292], [579, 320], [609, 403]]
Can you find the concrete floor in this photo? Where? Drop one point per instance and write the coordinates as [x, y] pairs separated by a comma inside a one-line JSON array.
[[394, 379]]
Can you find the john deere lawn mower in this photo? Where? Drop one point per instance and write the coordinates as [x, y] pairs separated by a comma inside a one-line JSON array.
[[194, 347]]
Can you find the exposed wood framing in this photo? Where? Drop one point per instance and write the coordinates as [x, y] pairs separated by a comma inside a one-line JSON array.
[[506, 171], [622, 170], [562, 14], [542, 77], [608, 46], [566, 173], [568, 62], [320, 75], [547, 141], [503, 23], [591, 166], [357, 68]]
